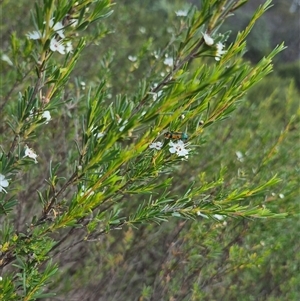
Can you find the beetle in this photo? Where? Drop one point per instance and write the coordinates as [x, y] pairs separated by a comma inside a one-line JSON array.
[[176, 136]]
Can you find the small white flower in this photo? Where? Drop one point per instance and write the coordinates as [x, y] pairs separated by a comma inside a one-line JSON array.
[[82, 84], [57, 46], [74, 22], [181, 13], [46, 114], [142, 29], [281, 195], [178, 148], [5, 58], [3, 183], [218, 217], [58, 28], [132, 58], [201, 214], [30, 153], [169, 61], [239, 156], [1, 278], [34, 35], [69, 47], [156, 145], [208, 39], [100, 135], [220, 51]]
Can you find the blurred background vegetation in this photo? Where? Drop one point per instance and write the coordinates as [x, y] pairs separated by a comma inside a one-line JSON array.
[[202, 259]]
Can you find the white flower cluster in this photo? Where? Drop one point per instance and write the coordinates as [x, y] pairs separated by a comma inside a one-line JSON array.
[[209, 41], [220, 51], [177, 147], [57, 43]]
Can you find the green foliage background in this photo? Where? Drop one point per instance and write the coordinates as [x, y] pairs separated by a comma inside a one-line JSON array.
[[200, 259]]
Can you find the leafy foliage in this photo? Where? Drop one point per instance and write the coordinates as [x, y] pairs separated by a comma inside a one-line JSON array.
[[80, 160]]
